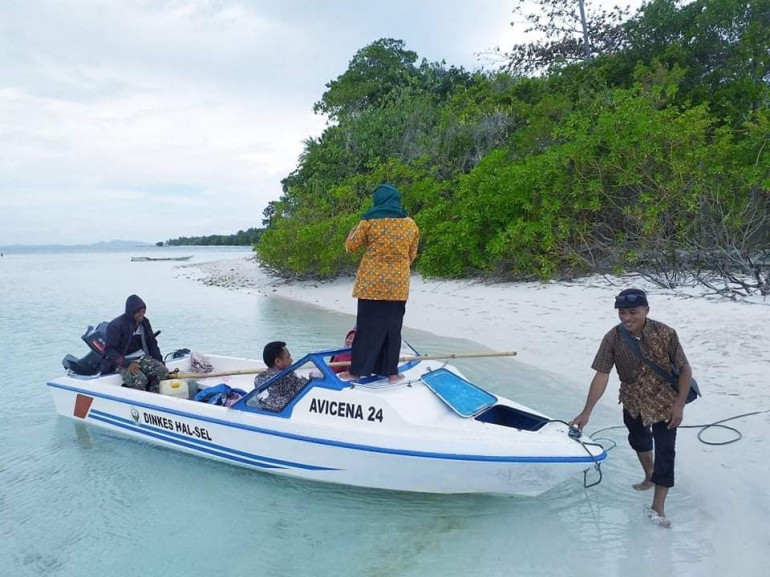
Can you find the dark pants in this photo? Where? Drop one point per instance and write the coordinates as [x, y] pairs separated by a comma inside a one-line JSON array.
[[377, 345], [642, 439]]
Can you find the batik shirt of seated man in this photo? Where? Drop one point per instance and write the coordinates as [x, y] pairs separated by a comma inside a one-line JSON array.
[[280, 393]]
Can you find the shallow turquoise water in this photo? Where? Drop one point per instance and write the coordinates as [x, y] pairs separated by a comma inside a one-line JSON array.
[[79, 502]]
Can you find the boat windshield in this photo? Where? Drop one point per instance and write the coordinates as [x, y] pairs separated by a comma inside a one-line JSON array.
[[276, 389], [463, 397]]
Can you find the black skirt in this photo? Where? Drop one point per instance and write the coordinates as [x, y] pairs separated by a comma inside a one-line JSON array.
[[377, 345]]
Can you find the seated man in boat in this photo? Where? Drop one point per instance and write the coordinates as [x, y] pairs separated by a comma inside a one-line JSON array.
[[131, 349], [277, 358]]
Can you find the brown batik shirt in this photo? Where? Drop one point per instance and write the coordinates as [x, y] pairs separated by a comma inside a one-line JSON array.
[[280, 393], [642, 391]]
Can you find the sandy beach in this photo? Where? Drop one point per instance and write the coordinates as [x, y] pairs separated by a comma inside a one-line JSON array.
[[557, 328]]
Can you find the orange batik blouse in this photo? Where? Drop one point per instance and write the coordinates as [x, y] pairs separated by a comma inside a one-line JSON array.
[[391, 246]]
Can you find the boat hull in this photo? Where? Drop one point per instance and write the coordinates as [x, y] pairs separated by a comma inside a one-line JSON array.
[[437, 464]]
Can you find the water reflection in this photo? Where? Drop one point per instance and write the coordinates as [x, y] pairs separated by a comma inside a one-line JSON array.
[[82, 435]]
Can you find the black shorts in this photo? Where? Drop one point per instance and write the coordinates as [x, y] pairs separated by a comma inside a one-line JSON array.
[[658, 437]]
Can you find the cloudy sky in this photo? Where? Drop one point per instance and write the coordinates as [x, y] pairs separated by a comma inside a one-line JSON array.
[[152, 119]]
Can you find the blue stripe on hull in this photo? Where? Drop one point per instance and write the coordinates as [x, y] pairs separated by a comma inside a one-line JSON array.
[[198, 444], [186, 445], [341, 444]]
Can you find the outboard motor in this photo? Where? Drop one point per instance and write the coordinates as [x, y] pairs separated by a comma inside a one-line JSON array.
[[89, 364]]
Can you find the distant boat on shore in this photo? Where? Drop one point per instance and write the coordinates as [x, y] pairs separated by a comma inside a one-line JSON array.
[[153, 258]]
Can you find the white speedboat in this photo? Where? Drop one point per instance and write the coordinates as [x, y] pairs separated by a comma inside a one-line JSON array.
[[433, 432]]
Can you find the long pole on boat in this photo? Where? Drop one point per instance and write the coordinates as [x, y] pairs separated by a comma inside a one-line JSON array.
[[441, 357]]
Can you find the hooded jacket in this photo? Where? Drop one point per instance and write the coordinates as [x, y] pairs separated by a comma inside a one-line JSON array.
[[120, 334]]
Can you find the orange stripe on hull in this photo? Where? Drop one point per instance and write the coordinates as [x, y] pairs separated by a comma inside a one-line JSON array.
[[82, 405]]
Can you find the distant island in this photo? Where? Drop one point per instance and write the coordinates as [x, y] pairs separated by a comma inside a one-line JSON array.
[[119, 244], [103, 244], [242, 238]]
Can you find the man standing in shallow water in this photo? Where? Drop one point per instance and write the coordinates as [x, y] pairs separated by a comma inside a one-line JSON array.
[[652, 409]]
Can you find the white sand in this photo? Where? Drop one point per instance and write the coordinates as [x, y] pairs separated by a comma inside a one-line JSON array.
[[557, 327]]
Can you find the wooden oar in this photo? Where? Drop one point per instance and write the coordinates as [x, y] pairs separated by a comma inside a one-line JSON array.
[[345, 364]]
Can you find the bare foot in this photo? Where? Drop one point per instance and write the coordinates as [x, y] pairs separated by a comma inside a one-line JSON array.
[[393, 379], [658, 519], [643, 486]]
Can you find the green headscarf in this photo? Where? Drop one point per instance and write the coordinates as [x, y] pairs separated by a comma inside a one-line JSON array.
[[387, 204]]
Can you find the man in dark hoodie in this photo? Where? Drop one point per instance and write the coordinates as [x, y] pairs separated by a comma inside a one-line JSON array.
[[131, 348]]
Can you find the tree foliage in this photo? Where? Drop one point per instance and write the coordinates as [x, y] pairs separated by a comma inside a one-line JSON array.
[[241, 238], [567, 32], [651, 154], [375, 72]]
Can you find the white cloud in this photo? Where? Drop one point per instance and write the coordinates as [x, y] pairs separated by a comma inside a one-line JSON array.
[[159, 118]]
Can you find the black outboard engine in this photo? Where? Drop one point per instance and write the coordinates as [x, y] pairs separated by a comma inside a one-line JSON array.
[[89, 364]]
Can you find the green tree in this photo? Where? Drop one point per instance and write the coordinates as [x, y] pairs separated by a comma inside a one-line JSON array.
[[652, 153], [373, 73], [723, 47], [567, 31]]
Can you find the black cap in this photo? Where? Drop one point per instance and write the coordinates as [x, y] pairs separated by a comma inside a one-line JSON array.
[[631, 298]]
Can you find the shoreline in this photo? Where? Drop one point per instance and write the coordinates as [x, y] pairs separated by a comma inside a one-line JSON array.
[[557, 328], [553, 326]]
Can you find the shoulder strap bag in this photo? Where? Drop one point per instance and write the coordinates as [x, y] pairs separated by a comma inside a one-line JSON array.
[[672, 379]]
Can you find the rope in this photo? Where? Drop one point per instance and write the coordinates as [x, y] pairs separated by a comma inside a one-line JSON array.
[[703, 429], [597, 465]]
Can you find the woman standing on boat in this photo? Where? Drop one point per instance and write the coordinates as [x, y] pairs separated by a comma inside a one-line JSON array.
[[382, 284]]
